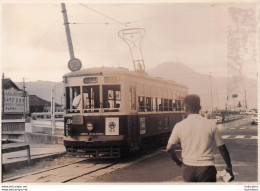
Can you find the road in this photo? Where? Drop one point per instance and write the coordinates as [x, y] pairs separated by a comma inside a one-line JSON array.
[[241, 140], [152, 167]]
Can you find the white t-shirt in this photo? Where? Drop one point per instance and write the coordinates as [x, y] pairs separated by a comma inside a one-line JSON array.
[[197, 135], [77, 102]]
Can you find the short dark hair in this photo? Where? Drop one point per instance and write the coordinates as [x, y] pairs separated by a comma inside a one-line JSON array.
[[192, 103]]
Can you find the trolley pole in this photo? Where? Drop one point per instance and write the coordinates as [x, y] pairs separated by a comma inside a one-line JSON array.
[[67, 29]]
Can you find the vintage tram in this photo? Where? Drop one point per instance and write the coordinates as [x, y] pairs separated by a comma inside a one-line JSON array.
[[110, 111]]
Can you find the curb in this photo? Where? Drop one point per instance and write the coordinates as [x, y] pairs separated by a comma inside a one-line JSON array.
[[8, 167]]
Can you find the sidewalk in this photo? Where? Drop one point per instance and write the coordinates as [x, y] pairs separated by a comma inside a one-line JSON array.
[[38, 152]]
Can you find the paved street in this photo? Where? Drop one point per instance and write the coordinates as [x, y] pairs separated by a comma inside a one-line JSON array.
[[154, 166], [240, 137]]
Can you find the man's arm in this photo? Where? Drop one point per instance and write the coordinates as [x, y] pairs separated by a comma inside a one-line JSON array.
[[171, 151], [225, 154]]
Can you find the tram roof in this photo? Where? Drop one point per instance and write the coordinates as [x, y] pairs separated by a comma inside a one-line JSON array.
[[106, 71]]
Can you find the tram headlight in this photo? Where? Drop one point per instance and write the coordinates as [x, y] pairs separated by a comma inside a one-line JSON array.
[[90, 126]]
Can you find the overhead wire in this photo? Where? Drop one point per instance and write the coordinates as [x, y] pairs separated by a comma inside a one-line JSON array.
[[154, 44], [176, 13], [54, 23], [131, 22], [82, 23], [98, 12]]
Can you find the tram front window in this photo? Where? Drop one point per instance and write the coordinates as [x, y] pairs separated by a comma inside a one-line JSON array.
[[73, 99], [91, 99], [111, 98]]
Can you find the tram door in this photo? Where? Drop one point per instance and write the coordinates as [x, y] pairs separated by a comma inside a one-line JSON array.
[[133, 133]]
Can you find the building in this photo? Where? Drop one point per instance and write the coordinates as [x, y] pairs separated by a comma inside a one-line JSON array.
[[38, 104], [15, 101]]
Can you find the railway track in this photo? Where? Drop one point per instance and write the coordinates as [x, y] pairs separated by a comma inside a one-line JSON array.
[[82, 170]]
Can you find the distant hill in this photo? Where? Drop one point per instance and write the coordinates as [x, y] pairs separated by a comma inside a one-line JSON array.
[[200, 84], [176, 71], [42, 89]]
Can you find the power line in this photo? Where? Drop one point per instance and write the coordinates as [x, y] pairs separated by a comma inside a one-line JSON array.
[[181, 12], [78, 23], [130, 22], [124, 24], [47, 31]]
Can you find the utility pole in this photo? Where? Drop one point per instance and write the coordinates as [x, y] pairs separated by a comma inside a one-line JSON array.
[[24, 100], [217, 99], [53, 109], [245, 101], [211, 96], [245, 92], [61, 104], [3, 97]]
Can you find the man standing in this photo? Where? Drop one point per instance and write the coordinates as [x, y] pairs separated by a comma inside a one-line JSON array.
[[197, 135]]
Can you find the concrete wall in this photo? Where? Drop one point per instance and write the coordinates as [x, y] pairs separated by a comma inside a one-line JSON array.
[[39, 138]]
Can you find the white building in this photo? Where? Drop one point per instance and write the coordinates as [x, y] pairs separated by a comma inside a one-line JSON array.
[[15, 101]]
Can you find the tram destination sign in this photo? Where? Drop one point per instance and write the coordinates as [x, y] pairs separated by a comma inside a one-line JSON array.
[[74, 64], [90, 80]]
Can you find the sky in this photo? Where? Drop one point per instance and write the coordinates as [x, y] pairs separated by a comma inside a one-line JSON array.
[[34, 45]]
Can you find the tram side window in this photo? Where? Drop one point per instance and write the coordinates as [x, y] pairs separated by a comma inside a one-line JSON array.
[[174, 106], [133, 98], [154, 104], [160, 106], [170, 105], [179, 105], [165, 104], [111, 96], [182, 105], [91, 97], [148, 104], [141, 103], [73, 99]]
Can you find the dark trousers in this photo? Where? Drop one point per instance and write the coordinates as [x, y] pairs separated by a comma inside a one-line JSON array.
[[199, 173]]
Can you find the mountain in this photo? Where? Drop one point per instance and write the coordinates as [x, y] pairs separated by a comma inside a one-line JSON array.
[[201, 84], [197, 83], [42, 89]]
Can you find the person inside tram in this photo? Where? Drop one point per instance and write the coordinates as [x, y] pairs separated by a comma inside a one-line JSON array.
[[106, 104], [77, 101], [160, 107]]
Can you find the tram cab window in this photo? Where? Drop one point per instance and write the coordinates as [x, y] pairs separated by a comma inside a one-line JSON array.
[[148, 104], [73, 99], [91, 98], [111, 97], [141, 103]]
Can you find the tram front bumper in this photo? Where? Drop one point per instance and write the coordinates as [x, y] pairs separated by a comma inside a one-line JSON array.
[[90, 140]]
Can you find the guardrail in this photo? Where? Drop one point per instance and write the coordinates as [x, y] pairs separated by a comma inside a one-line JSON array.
[[8, 148]]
